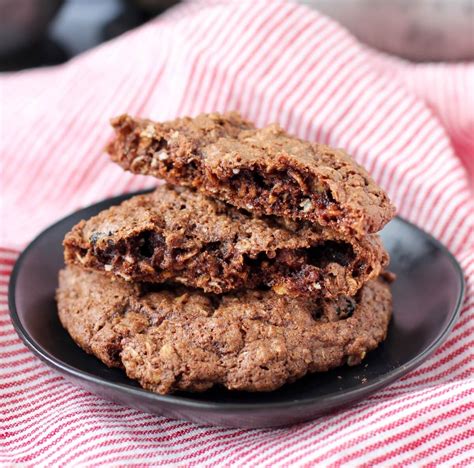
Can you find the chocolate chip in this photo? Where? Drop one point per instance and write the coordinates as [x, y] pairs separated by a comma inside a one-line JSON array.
[[331, 252], [148, 242]]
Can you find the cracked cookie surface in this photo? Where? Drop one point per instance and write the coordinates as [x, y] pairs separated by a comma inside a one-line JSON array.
[[181, 339]]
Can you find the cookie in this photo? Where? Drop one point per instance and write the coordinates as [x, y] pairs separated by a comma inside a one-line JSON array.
[[266, 171], [181, 339], [180, 236]]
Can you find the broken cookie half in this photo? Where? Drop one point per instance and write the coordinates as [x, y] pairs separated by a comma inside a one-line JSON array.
[[265, 171], [177, 235]]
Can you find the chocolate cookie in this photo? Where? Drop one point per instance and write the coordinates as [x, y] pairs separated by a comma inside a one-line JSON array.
[[180, 339], [264, 170], [178, 235]]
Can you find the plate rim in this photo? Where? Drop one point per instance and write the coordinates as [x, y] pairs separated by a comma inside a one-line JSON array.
[[185, 402]]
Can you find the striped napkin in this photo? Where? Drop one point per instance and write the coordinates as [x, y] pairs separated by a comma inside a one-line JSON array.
[[410, 125]]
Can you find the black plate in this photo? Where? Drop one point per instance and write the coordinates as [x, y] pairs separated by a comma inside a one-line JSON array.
[[427, 298]]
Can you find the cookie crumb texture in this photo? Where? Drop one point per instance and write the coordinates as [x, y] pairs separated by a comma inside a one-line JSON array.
[[181, 236], [179, 339], [263, 170]]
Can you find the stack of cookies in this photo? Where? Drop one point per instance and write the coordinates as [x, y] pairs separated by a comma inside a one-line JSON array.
[[257, 264]]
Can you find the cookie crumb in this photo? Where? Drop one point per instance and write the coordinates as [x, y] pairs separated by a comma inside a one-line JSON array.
[[148, 132], [306, 205]]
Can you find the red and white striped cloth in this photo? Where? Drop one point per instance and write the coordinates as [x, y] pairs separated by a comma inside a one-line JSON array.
[[410, 125]]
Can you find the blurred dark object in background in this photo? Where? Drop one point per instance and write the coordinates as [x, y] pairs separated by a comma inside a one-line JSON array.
[[47, 32], [23, 22], [23, 27]]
